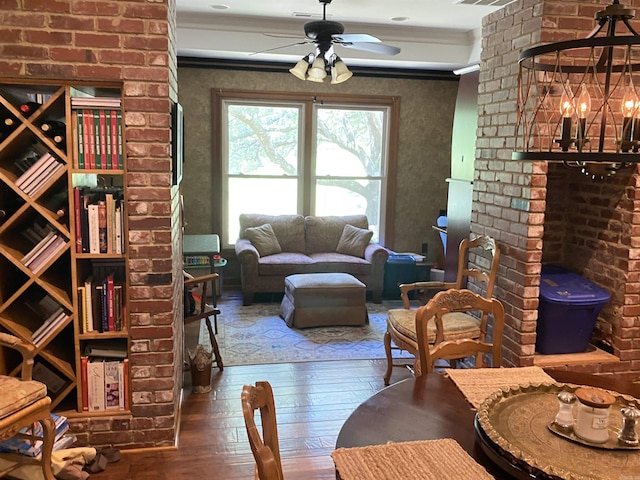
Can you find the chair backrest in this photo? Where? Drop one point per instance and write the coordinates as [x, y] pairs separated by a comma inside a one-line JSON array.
[[454, 300], [266, 450], [487, 260]]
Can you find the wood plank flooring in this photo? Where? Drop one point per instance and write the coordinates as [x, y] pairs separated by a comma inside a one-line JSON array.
[[313, 399]]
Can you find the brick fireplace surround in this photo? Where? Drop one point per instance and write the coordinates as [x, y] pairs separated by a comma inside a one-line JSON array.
[[547, 213]]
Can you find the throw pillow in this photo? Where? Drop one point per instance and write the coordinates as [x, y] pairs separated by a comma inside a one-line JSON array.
[[353, 241], [263, 239]]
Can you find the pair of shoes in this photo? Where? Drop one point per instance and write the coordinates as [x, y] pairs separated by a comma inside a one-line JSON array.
[[102, 458]]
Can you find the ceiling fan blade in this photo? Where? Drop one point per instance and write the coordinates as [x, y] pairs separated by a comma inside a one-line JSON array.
[[373, 47], [280, 47], [281, 35], [355, 38]]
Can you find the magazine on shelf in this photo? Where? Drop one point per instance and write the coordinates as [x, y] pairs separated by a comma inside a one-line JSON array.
[[47, 254], [46, 333], [41, 245]]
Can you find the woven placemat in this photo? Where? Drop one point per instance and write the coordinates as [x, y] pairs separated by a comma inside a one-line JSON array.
[[478, 384], [442, 459]]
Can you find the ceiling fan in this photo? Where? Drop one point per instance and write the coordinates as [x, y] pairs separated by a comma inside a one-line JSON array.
[[324, 34]]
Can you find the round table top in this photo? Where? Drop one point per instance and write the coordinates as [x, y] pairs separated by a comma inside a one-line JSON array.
[[425, 408], [432, 407]]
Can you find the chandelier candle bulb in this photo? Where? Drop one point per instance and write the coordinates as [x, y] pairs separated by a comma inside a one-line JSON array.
[[592, 423]]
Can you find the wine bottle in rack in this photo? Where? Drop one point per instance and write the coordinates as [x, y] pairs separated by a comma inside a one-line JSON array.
[[7, 125], [59, 140], [28, 108], [52, 128]]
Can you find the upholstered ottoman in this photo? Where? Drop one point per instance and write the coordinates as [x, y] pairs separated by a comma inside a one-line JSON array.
[[323, 299]]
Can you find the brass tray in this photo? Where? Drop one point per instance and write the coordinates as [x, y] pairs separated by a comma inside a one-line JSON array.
[[516, 421]]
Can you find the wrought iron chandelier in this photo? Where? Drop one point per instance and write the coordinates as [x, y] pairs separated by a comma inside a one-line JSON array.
[[579, 100]]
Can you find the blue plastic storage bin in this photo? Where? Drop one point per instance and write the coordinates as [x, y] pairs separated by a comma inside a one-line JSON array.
[[568, 311]]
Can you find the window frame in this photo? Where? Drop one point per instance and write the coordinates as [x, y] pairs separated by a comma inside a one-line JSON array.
[[307, 150]]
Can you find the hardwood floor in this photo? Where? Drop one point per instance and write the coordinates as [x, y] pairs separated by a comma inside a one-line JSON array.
[[312, 399]]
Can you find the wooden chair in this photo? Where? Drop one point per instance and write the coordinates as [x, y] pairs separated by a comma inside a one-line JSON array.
[[203, 310], [401, 322], [24, 401], [266, 450], [445, 303]]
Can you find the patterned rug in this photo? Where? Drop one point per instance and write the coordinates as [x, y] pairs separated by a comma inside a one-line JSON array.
[[255, 334]]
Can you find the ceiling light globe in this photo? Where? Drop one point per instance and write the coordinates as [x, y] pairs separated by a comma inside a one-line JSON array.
[[317, 71]]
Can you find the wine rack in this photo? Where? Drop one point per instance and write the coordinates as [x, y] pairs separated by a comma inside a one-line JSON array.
[[43, 271]]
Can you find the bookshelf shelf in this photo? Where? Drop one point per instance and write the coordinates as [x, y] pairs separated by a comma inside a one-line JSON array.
[[43, 231]]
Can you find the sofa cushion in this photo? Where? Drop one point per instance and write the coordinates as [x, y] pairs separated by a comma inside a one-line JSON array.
[[323, 233], [289, 229], [285, 263], [263, 239], [338, 262], [354, 241]]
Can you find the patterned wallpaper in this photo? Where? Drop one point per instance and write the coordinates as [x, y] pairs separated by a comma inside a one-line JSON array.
[[424, 154]]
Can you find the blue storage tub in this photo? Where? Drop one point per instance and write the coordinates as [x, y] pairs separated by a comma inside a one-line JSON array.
[[568, 310]]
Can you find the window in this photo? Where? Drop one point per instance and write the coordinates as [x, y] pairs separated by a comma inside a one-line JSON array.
[[287, 154]]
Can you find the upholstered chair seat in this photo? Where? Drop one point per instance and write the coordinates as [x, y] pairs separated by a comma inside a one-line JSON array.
[[16, 394], [457, 325], [24, 401]]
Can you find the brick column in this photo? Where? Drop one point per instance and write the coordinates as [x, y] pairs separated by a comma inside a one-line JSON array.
[[130, 42]]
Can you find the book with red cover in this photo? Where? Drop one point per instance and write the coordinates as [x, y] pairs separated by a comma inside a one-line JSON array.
[[110, 304], [114, 139], [83, 383], [103, 139], [90, 145]]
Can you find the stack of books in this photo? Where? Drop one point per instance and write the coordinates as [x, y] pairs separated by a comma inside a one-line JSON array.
[[39, 174], [34, 448], [104, 378], [100, 228], [99, 131], [101, 305], [45, 250]]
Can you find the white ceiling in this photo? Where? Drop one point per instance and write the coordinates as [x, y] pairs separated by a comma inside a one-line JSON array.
[[436, 35]]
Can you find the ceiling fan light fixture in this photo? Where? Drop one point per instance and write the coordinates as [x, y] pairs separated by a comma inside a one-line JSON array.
[[339, 71], [300, 68]]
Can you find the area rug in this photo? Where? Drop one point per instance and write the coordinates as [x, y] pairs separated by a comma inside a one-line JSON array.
[[255, 334]]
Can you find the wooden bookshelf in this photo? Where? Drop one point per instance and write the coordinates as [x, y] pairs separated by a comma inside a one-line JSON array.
[[43, 262]]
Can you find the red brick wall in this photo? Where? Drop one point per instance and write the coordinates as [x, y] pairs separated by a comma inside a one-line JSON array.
[[132, 42], [549, 213]]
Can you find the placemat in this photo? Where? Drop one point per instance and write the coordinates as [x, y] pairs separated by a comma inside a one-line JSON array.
[[442, 459], [476, 384]]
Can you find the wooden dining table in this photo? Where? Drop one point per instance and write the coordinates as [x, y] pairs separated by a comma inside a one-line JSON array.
[[432, 407]]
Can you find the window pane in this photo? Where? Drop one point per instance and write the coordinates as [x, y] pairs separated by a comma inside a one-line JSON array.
[[262, 140], [350, 197], [259, 195], [350, 142]]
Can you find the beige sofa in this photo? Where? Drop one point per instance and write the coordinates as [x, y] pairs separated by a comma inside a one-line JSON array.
[[306, 245]]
